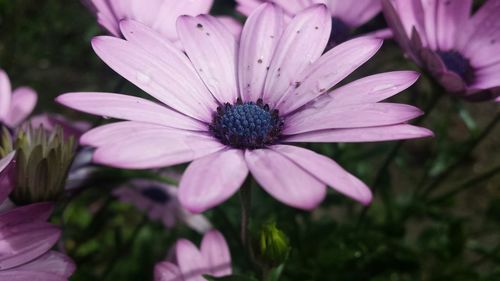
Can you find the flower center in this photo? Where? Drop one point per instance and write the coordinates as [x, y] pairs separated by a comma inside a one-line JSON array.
[[455, 62], [156, 194], [246, 125], [340, 33]]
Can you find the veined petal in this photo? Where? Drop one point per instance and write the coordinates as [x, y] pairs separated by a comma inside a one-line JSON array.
[[328, 70], [323, 117], [450, 17], [166, 271], [285, 180], [216, 251], [258, 42], [212, 49], [22, 103], [25, 242], [129, 108], [211, 180], [20, 275], [370, 89], [355, 13], [191, 262], [294, 51], [5, 94], [370, 134], [51, 263], [155, 148], [170, 81], [327, 171], [38, 212]]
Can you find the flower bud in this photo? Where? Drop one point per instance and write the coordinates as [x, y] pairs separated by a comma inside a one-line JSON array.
[[43, 160], [274, 246]]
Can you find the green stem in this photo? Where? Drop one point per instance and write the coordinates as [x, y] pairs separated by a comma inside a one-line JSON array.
[[246, 202], [451, 168], [466, 185], [126, 247]]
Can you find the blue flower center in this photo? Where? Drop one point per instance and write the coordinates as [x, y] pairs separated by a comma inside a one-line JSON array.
[[156, 194], [455, 62], [246, 125], [340, 33]]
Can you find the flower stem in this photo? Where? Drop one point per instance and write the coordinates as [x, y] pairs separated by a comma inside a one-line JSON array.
[[126, 247], [466, 185], [451, 168], [246, 202]]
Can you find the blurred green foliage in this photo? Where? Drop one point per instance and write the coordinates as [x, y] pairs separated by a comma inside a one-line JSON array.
[[411, 232]]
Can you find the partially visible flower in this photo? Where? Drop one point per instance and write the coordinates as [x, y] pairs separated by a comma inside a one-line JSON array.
[[213, 258], [160, 15], [346, 15], [236, 108], [42, 163], [26, 239], [17, 105], [461, 51], [160, 202]]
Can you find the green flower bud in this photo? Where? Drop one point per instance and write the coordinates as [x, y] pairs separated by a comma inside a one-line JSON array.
[[274, 245], [43, 160]]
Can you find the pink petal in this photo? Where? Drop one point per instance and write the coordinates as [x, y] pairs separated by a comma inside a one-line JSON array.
[[23, 243], [170, 11], [52, 262], [170, 78], [355, 13], [285, 180], [258, 42], [370, 89], [211, 180], [166, 271], [191, 262], [450, 17], [155, 148], [294, 51], [216, 251], [38, 212], [21, 105], [372, 134], [324, 117], [232, 25], [246, 7], [329, 70], [129, 108], [18, 275], [487, 77], [5, 94], [212, 49], [326, 170]]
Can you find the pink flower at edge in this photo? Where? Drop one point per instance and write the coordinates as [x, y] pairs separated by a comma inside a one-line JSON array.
[[26, 239], [213, 258], [17, 105], [159, 201], [346, 15], [232, 109], [459, 49], [160, 15]]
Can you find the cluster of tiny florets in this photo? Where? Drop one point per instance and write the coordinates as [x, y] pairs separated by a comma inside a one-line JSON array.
[[246, 124]]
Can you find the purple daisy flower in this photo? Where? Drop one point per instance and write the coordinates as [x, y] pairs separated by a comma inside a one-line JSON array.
[[235, 109], [346, 15], [160, 202], [17, 105], [160, 15], [26, 239], [461, 51], [213, 258]]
